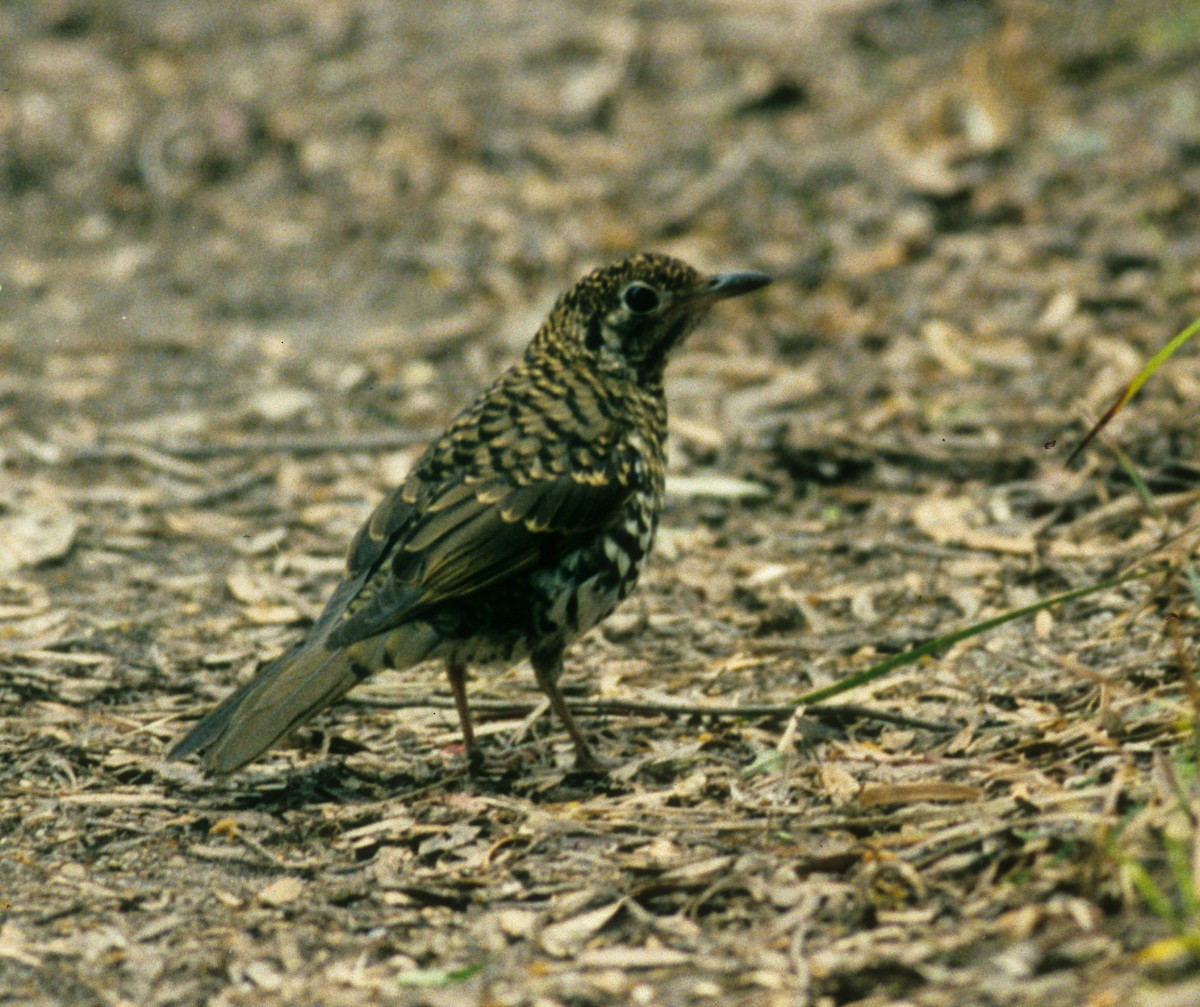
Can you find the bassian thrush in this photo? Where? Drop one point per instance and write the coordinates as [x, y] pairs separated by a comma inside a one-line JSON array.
[[519, 528]]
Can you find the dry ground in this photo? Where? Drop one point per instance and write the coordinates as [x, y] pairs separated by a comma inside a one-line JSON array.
[[253, 254]]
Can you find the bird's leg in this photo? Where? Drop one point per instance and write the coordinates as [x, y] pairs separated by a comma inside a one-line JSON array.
[[456, 671], [547, 666]]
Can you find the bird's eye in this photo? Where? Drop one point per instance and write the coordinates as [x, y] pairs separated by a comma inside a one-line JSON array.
[[640, 299]]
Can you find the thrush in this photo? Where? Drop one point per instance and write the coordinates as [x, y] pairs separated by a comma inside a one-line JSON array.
[[520, 528]]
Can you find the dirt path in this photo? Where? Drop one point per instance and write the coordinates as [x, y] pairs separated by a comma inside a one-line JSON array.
[[253, 255]]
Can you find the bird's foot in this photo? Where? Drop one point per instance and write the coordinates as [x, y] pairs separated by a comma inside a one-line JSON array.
[[587, 762], [476, 763]]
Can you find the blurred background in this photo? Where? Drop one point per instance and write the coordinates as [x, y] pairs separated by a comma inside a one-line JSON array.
[[353, 191]]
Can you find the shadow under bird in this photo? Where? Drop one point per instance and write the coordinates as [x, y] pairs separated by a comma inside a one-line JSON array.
[[521, 527]]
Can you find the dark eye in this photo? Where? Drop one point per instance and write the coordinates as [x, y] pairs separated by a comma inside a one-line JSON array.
[[640, 299]]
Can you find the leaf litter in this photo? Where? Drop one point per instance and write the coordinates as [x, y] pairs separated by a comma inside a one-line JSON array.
[[967, 248]]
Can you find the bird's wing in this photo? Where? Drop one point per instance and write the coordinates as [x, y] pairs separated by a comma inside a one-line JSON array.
[[426, 544]]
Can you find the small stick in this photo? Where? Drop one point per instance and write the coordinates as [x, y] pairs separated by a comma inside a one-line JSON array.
[[824, 711]]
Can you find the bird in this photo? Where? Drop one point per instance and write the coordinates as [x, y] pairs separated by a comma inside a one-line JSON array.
[[519, 528]]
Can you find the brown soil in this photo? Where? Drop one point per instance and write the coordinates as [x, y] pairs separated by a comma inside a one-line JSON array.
[[253, 255]]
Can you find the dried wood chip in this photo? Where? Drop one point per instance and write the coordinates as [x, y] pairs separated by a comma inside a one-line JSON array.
[[945, 521], [457, 835], [950, 346], [136, 799], [281, 891], [701, 871], [715, 486], [33, 537], [633, 958], [158, 926], [281, 403], [517, 923], [264, 542], [207, 524], [14, 947], [263, 974], [913, 793], [562, 940], [392, 826], [272, 615], [77, 657], [838, 784]]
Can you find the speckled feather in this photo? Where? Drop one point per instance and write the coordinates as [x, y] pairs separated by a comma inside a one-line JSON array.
[[519, 528]]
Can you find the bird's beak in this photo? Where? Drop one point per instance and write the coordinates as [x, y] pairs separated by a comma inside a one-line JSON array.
[[689, 306], [721, 286], [733, 284]]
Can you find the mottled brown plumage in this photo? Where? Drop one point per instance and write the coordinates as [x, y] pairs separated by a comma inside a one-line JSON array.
[[521, 526]]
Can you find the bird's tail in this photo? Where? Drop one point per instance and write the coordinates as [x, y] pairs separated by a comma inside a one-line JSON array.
[[284, 694]]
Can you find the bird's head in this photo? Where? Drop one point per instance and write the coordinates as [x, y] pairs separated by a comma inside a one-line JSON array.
[[637, 310]]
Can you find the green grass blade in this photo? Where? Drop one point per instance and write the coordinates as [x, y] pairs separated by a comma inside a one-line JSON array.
[[940, 643], [1132, 388]]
